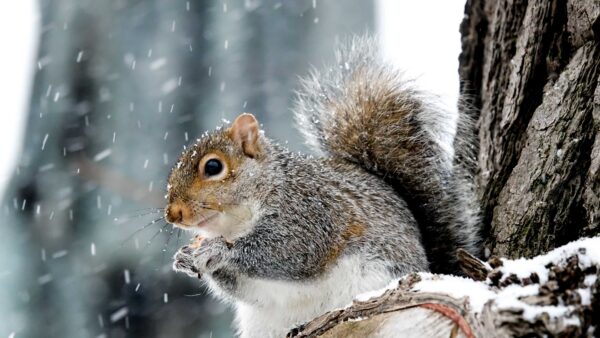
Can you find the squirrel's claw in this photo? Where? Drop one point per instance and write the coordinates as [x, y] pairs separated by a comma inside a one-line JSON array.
[[187, 250]]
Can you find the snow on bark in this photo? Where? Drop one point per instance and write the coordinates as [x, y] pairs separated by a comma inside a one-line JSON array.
[[553, 294]]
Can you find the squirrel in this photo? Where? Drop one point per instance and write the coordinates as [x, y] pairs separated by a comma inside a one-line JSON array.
[[285, 237]]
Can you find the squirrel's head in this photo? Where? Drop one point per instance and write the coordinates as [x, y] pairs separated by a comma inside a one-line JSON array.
[[209, 189]]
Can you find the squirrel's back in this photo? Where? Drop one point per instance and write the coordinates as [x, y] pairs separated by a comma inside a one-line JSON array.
[[363, 111]]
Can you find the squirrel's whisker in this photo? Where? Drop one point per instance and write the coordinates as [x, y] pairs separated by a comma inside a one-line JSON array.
[[195, 295], [169, 238], [154, 236], [148, 209], [204, 203], [164, 249], [126, 217], [143, 228], [178, 236], [232, 215]]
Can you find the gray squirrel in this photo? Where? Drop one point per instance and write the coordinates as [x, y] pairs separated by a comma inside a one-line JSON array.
[[285, 237]]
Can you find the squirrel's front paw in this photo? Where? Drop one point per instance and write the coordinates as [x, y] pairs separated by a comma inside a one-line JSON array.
[[184, 261], [211, 254], [205, 259]]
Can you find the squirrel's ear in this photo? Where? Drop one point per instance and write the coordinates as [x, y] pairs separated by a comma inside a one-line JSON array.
[[244, 132]]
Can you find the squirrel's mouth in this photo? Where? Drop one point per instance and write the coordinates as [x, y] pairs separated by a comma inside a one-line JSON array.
[[206, 220]]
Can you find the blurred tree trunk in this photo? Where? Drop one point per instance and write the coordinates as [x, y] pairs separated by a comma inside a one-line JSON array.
[[531, 69], [120, 87]]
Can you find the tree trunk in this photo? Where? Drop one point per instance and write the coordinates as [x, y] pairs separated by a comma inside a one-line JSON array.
[[531, 70]]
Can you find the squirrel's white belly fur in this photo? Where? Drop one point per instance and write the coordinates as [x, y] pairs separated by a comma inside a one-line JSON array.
[[271, 308]]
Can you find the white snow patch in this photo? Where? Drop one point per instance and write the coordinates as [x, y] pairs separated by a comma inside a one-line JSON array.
[[589, 280], [524, 267], [363, 297], [508, 298], [481, 293], [457, 287], [531, 312], [586, 296]]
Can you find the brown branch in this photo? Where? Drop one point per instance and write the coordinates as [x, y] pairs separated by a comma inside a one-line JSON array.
[[412, 311], [472, 266]]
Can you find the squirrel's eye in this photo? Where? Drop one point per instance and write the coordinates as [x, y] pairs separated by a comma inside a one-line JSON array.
[[213, 167]]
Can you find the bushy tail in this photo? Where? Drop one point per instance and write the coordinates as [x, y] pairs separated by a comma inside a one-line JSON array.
[[363, 111]]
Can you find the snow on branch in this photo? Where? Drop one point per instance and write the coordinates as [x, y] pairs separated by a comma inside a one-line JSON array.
[[556, 294]]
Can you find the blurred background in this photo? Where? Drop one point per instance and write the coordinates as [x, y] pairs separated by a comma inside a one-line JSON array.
[[99, 98]]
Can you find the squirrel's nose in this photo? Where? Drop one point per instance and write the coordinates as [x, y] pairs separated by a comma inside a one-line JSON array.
[[175, 213]]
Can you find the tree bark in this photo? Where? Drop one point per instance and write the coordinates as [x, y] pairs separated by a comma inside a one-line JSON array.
[[531, 306], [531, 70]]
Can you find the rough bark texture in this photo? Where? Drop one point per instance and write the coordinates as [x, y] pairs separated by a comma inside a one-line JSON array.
[[531, 69], [404, 312]]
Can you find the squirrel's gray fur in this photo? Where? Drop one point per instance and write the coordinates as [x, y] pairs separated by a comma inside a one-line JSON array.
[[389, 185], [363, 111]]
